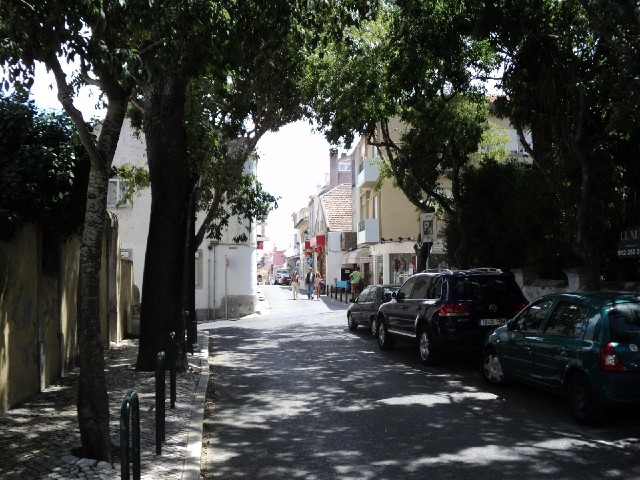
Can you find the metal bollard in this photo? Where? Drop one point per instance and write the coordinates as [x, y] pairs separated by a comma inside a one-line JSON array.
[[173, 353], [160, 396], [130, 408]]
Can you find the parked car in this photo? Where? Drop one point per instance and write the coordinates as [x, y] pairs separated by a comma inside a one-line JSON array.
[[363, 310], [581, 345], [444, 309], [278, 275], [284, 279]]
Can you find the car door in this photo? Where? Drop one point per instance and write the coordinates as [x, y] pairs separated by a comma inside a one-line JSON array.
[[515, 348], [396, 308], [411, 306], [356, 308], [555, 349], [368, 305]]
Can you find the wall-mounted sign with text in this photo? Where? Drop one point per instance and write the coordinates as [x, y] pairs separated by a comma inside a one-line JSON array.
[[629, 244]]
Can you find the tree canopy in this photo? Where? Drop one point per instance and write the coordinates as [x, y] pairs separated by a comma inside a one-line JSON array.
[[44, 167], [562, 71]]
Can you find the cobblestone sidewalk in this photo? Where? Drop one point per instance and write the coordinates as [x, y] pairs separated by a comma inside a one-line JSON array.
[[37, 439]]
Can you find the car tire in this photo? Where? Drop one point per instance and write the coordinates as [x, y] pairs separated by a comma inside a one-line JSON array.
[[353, 325], [492, 369], [385, 340], [374, 327], [584, 408], [426, 347]]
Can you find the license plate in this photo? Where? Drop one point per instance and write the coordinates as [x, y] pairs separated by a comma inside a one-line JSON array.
[[492, 322]]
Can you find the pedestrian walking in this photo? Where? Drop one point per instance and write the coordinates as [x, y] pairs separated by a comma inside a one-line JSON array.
[[318, 285], [308, 281], [357, 284], [295, 284]]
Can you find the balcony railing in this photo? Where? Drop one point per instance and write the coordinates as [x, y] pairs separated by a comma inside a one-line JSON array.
[[368, 231], [368, 172]]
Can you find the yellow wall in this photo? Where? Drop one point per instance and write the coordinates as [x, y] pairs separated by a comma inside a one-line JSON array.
[[38, 314], [398, 216], [18, 318]]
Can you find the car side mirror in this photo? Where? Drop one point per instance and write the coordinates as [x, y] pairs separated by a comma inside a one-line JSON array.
[[352, 300], [398, 296], [512, 325]]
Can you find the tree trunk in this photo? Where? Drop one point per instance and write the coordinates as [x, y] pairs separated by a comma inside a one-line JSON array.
[[422, 256], [93, 401], [189, 278], [161, 308], [587, 246], [462, 252]]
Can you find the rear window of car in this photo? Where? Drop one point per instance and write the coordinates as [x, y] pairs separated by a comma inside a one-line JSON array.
[[387, 292], [624, 322], [483, 286]]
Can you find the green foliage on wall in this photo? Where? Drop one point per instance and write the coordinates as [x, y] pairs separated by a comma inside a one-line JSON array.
[[43, 169]]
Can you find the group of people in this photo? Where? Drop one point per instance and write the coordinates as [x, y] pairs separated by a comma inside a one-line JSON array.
[[313, 282]]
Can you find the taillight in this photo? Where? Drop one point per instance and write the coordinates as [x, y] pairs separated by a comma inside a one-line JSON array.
[[453, 309], [520, 306], [609, 361]]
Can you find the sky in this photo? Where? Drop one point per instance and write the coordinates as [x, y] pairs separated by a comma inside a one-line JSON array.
[[292, 162]]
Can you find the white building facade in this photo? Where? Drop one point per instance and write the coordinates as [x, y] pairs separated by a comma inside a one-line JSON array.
[[225, 271]]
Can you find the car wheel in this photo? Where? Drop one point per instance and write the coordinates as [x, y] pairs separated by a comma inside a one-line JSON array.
[[584, 408], [385, 340], [374, 327], [426, 347], [353, 325], [492, 369]]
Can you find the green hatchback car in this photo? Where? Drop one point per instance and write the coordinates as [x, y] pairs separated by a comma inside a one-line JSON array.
[[581, 345]]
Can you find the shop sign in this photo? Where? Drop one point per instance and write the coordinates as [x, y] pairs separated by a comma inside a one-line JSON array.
[[629, 243]]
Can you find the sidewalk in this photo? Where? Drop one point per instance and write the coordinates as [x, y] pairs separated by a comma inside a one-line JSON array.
[[37, 438]]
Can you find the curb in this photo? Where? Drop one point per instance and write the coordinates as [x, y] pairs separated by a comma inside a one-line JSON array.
[[191, 463]]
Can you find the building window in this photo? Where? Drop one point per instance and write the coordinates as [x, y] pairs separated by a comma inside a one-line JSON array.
[[198, 268], [115, 194], [344, 166]]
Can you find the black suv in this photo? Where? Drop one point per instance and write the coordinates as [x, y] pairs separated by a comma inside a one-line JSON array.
[[444, 309]]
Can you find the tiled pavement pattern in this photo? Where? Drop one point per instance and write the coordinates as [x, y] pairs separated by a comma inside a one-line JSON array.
[[38, 437]]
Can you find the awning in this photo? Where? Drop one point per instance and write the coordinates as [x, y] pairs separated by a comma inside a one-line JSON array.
[[356, 256], [350, 257]]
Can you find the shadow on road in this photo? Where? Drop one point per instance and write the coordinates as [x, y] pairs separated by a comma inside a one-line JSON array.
[[321, 402]]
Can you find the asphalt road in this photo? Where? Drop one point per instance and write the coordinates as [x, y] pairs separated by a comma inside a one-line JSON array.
[[295, 395]]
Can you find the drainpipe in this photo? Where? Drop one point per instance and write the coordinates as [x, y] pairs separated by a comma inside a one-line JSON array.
[[209, 276], [226, 296]]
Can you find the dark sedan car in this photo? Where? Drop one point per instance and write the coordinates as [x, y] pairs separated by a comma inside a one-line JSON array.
[[581, 345], [364, 309], [442, 310]]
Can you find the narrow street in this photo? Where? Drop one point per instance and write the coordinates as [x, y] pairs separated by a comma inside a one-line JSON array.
[[294, 394]]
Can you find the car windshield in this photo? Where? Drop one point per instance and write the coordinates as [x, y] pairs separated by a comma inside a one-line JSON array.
[[624, 322], [483, 286]]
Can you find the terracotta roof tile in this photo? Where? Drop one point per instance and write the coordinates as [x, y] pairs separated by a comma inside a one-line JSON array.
[[336, 204]]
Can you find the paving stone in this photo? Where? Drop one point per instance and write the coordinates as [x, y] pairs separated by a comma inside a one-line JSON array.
[[37, 438]]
